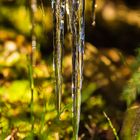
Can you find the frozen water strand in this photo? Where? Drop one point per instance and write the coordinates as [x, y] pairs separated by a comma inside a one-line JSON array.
[[94, 6], [58, 42], [75, 33], [53, 2], [78, 26], [33, 4], [62, 21], [81, 41], [68, 14], [33, 34], [74, 24]]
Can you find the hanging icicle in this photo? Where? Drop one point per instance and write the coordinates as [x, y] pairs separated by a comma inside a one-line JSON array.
[[68, 14], [94, 6], [78, 35], [33, 4], [62, 21], [33, 34], [76, 25], [58, 7], [53, 2]]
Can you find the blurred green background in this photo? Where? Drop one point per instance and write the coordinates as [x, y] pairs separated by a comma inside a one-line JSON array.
[[111, 71]]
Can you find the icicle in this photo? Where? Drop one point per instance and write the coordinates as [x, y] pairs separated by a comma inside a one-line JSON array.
[[81, 40], [62, 19], [53, 2], [78, 25], [58, 42], [33, 4], [33, 35], [68, 14], [94, 6]]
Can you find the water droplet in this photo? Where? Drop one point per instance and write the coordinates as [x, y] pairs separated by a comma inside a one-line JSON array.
[[94, 6]]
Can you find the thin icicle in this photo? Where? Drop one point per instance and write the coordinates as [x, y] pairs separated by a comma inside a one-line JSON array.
[[58, 42], [33, 4], [94, 6], [78, 35], [53, 2], [33, 34], [62, 21], [68, 14], [75, 94]]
